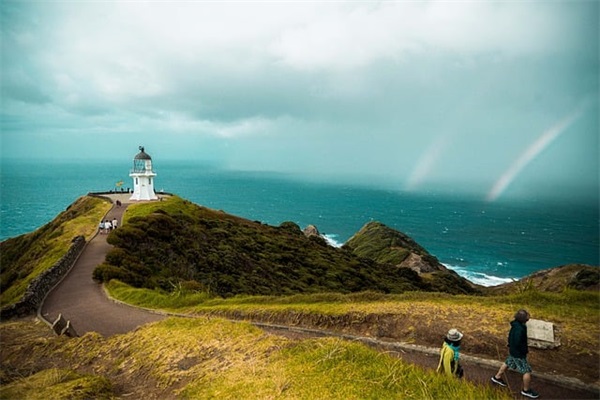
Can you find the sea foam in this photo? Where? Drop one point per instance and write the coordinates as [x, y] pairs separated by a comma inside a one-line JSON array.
[[479, 278], [331, 239]]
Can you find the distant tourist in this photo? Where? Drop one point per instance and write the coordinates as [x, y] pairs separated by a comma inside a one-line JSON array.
[[449, 354], [107, 226], [101, 227], [119, 202], [517, 358], [114, 223]]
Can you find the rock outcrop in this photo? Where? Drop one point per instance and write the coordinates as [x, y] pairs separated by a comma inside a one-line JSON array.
[[416, 262], [311, 230], [386, 245]]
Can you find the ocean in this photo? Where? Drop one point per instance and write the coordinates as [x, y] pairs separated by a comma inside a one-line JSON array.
[[488, 243]]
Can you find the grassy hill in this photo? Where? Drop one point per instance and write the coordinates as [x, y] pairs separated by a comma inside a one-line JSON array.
[[385, 245], [388, 246], [175, 243], [177, 257], [24, 257], [558, 279]]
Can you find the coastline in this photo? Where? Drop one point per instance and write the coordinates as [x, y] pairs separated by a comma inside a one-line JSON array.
[[500, 240]]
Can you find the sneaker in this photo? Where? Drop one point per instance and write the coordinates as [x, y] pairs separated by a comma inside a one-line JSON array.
[[530, 393], [498, 381]]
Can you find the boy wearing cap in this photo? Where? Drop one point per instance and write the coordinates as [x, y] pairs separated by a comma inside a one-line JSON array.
[[450, 353], [517, 358]]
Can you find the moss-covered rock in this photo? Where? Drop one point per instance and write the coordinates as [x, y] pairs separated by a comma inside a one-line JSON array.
[[388, 246]]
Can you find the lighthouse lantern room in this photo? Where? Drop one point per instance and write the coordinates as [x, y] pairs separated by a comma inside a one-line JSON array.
[[143, 177]]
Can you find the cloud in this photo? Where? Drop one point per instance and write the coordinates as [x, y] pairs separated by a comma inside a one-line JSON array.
[[357, 35], [352, 86]]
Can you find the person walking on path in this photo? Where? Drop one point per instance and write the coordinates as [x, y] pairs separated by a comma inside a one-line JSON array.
[[114, 223], [450, 353], [83, 301], [517, 358]]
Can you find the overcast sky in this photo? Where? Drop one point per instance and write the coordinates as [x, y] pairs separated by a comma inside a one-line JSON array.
[[495, 96]]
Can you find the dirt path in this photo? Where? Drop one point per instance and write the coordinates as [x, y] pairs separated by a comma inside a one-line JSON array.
[[83, 302], [477, 370]]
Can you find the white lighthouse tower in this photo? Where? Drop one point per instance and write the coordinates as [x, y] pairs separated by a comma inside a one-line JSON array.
[[142, 174]]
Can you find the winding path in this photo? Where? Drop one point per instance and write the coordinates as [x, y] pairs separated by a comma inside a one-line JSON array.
[[83, 302]]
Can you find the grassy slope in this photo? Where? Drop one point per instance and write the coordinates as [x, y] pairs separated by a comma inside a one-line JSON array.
[[174, 242], [385, 245], [24, 257], [212, 358], [574, 276], [382, 244], [416, 317], [421, 318]]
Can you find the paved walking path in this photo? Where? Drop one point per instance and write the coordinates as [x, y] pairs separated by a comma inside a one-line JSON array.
[[83, 302], [478, 370]]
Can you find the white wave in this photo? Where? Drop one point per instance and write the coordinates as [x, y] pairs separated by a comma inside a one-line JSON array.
[[331, 239], [479, 277]]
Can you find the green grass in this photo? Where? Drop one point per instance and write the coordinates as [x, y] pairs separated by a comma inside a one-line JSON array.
[[25, 257], [148, 298], [569, 305], [170, 205], [58, 384], [419, 317], [201, 358], [333, 369]]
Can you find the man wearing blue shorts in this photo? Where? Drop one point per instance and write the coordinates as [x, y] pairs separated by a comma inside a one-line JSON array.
[[517, 358]]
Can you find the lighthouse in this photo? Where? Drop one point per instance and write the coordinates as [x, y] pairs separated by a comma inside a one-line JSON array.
[[143, 177]]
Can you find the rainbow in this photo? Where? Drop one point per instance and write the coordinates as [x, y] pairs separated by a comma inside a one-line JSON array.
[[543, 141]]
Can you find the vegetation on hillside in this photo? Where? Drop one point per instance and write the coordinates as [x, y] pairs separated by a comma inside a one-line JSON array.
[[212, 358], [177, 256], [414, 317], [174, 243], [572, 276], [385, 245], [24, 257]]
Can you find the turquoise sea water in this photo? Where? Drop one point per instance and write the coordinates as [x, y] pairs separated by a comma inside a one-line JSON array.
[[485, 242]]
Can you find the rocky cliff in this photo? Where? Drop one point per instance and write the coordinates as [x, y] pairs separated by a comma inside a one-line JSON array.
[[385, 245]]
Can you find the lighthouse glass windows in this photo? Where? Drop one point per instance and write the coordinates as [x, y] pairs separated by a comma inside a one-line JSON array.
[[139, 165]]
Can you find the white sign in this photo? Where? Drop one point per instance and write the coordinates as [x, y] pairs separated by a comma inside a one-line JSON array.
[[540, 331]]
